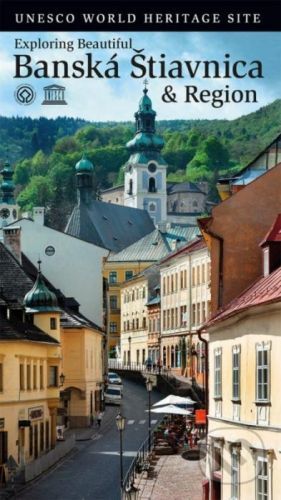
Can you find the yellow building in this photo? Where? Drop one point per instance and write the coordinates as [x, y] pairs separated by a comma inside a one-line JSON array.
[[134, 320], [120, 267], [30, 356], [116, 274], [244, 401], [83, 369]]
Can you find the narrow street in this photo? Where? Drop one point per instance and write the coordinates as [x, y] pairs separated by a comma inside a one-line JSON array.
[[92, 471]]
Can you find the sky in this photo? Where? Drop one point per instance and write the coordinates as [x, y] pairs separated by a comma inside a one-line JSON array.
[[116, 99]]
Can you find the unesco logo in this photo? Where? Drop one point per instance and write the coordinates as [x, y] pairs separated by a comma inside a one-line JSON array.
[[25, 94]]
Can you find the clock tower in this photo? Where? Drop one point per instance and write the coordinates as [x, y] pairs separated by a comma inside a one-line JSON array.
[[9, 210], [145, 171]]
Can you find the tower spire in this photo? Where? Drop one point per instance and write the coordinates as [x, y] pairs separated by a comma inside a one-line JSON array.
[[84, 180]]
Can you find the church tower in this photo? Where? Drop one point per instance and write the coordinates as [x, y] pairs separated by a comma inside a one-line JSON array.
[[145, 171], [9, 210]]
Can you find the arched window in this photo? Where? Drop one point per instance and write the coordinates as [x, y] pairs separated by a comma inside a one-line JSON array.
[[130, 186], [198, 350], [151, 185], [177, 353], [164, 356], [168, 357], [172, 357]]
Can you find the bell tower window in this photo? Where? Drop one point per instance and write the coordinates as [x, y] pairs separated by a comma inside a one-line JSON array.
[[151, 185], [130, 191]]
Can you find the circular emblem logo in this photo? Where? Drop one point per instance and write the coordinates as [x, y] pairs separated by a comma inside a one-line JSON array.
[[25, 94], [50, 250]]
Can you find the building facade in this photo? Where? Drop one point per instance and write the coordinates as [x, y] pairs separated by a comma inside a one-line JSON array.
[[185, 305], [243, 448]]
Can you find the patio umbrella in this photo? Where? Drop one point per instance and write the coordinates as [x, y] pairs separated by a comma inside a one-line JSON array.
[[171, 410], [175, 400]]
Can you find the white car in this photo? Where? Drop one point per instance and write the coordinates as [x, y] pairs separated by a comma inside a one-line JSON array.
[[114, 379], [113, 395]]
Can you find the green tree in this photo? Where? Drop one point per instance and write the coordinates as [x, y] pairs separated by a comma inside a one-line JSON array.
[[37, 193]]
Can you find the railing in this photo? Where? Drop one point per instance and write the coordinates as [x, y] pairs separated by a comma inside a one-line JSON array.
[[139, 464], [116, 364]]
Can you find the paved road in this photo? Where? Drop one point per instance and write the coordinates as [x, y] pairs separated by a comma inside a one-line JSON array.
[[93, 470]]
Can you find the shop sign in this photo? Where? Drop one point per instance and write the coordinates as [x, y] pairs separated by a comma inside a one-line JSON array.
[[200, 417], [36, 413]]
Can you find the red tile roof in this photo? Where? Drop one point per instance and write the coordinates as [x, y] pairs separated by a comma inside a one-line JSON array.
[[274, 234], [264, 291]]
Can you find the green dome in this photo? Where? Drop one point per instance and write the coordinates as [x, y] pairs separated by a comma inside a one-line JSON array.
[[145, 104], [40, 298], [145, 141], [84, 165]]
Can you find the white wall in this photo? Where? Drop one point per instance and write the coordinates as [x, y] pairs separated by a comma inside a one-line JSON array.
[[75, 268]]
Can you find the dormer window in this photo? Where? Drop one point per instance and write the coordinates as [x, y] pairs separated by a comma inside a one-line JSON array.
[[266, 261]]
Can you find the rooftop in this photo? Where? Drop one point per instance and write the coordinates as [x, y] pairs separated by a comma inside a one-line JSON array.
[[274, 234], [156, 245], [110, 226], [265, 290]]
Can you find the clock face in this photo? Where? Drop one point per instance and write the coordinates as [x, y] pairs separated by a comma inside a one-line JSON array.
[[152, 167], [4, 213]]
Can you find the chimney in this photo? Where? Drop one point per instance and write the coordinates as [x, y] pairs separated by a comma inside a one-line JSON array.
[[12, 240], [39, 215]]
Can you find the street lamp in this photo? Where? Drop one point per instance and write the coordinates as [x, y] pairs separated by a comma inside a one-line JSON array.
[[149, 386], [62, 379], [120, 422], [129, 360]]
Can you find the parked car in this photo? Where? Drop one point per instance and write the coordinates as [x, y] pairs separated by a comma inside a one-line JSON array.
[[113, 395], [114, 379]]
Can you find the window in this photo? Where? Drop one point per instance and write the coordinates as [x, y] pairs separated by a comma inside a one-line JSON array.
[[1, 377], [262, 480], [172, 318], [143, 356], [262, 372], [168, 319], [203, 312], [138, 356], [152, 185], [181, 280], [130, 191], [164, 320], [235, 455], [236, 372], [128, 275], [41, 377], [34, 376], [198, 319], [184, 278], [193, 276], [144, 322], [113, 327], [193, 314], [164, 286], [31, 440], [217, 374], [137, 323], [53, 323], [176, 282], [28, 377], [113, 301], [47, 434], [41, 436], [168, 285], [113, 277], [203, 273], [53, 376], [143, 293], [183, 316], [198, 275]]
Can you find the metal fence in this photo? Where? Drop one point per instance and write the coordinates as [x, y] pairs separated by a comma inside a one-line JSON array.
[[116, 364], [139, 464]]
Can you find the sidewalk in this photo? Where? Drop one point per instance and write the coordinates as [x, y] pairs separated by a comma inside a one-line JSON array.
[[174, 478]]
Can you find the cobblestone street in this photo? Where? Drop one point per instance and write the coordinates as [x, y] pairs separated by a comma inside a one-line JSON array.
[[174, 479]]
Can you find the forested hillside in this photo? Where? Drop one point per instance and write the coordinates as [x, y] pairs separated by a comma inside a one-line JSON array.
[[44, 152]]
